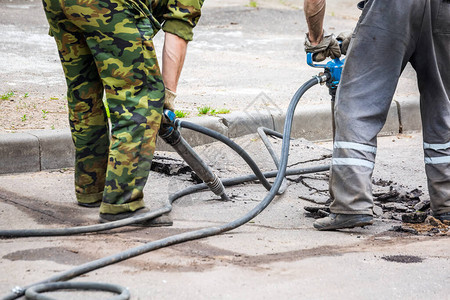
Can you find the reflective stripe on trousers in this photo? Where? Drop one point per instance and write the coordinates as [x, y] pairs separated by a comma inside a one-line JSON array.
[[415, 31], [433, 153]]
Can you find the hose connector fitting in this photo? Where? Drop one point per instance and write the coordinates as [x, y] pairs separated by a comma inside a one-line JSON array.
[[18, 290]]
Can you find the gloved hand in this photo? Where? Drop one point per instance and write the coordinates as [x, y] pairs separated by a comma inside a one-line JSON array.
[[328, 47], [169, 103], [344, 38], [169, 100]]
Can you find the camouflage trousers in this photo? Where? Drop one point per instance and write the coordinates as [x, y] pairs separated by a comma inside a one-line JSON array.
[[105, 46]]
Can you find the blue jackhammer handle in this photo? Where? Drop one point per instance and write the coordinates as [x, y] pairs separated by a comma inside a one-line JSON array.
[[332, 67], [310, 61]]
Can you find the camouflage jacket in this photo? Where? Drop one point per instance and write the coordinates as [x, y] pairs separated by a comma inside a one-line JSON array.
[[176, 16]]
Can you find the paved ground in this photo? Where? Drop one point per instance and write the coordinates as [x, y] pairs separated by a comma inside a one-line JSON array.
[[278, 254]]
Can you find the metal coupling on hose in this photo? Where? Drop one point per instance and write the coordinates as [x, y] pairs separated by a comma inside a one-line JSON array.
[[216, 186], [18, 290], [323, 77]]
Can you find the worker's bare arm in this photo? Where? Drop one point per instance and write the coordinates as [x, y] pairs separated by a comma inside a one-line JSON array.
[[314, 13], [174, 53]]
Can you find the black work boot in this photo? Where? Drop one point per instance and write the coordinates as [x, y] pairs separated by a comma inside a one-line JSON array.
[[92, 204], [163, 220], [340, 221]]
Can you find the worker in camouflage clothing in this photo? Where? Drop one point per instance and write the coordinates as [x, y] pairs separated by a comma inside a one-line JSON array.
[[106, 46]]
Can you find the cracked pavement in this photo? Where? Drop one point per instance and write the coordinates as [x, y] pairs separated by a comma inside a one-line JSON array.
[[277, 254]]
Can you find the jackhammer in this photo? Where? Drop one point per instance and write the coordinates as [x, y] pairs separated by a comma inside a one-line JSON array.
[[171, 135], [333, 70]]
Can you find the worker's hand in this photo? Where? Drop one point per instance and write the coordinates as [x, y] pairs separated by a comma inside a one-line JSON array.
[[169, 100], [328, 47], [344, 38], [169, 103]]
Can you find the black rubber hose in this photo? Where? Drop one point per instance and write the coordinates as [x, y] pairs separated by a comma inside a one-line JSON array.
[[238, 149], [34, 293], [83, 229], [263, 132], [197, 234]]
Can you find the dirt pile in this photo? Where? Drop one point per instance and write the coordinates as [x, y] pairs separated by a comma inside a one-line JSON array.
[[393, 202]]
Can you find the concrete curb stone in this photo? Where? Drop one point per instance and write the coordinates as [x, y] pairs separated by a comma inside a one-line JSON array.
[[392, 125], [56, 148], [247, 122], [19, 152], [312, 122], [409, 110], [52, 149]]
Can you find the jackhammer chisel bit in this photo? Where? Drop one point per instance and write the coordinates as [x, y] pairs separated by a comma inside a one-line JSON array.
[[172, 136]]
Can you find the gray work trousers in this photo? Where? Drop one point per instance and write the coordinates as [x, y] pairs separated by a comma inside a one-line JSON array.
[[389, 34]]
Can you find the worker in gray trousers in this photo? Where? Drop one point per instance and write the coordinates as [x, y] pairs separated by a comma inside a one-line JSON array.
[[389, 34]]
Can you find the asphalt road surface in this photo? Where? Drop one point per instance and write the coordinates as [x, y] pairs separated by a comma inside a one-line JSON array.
[[277, 254]]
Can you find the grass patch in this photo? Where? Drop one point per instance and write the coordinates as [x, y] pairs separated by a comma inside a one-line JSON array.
[[207, 110], [223, 111], [7, 95], [181, 114], [252, 4], [204, 110]]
